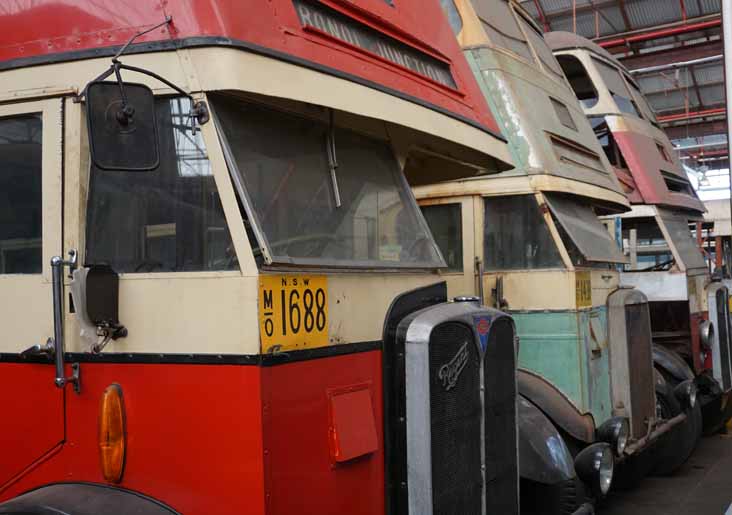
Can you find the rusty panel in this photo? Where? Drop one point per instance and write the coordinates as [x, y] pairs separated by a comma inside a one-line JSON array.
[[640, 364]]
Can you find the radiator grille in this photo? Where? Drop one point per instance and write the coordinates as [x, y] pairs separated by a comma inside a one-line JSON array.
[[640, 364], [722, 327], [500, 414], [455, 408]]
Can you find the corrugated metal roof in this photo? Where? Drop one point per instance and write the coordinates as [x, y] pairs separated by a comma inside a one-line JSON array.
[[609, 22], [672, 101], [667, 81], [709, 73], [712, 95], [646, 13]]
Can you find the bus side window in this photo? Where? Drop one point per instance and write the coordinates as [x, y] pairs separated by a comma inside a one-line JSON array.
[[579, 80], [516, 236], [445, 222], [20, 195]]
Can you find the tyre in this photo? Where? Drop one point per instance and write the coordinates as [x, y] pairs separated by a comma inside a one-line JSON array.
[[676, 446]]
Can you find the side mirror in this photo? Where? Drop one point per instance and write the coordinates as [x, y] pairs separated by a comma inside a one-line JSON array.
[[95, 292], [121, 125]]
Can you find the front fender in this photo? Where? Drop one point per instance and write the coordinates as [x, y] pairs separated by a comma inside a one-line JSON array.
[[671, 363], [543, 455], [554, 404], [83, 499]]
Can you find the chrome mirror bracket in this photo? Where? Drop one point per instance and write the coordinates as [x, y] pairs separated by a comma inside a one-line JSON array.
[[57, 270]]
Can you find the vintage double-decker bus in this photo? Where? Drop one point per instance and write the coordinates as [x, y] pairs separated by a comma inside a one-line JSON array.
[[220, 294], [689, 312], [544, 256]]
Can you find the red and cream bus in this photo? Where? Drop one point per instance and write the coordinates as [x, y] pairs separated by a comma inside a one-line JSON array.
[[219, 292], [689, 311]]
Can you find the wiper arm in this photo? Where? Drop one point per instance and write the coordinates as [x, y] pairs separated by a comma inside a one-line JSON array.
[[333, 160]]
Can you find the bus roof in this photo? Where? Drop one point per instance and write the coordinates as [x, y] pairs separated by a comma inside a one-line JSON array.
[[560, 40], [403, 47]]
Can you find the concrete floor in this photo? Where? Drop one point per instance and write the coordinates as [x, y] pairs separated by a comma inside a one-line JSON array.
[[702, 486]]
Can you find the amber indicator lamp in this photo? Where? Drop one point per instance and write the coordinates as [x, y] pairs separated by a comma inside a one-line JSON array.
[[112, 435]]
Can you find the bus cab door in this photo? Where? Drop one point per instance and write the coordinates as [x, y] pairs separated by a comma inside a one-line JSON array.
[[30, 234]]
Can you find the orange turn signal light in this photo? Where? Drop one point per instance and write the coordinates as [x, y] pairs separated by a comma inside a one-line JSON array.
[[112, 435]]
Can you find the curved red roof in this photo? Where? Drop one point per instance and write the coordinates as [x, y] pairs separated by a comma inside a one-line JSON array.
[[404, 46]]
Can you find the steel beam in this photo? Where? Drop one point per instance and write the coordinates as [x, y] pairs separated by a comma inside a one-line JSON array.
[[679, 117], [673, 55], [674, 29], [696, 130]]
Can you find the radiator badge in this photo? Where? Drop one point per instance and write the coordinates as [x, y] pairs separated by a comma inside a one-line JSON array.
[[449, 373]]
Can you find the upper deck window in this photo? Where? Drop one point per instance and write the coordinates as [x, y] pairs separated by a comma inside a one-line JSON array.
[[314, 15], [453, 15], [166, 220], [516, 236], [502, 28], [607, 140], [662, 151], [580, 80], [290, 193], [20, 195], [640, 101], [542, 50], [618, 88], [563, 114]]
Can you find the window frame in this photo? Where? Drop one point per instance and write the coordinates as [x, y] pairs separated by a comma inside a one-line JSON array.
[[51, 178], [237, 233], [499, 48], [468, 238], [544, 211], [274, 262]]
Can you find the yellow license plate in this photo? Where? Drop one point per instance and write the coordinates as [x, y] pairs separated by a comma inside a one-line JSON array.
[[293, 312], [583, 289]]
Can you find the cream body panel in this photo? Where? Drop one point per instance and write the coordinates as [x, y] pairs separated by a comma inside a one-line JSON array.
[[535, 289], [604, 282], [358, 302], [27, 315], [201, 313], [217, 68], [27, 312], [463, 283], [506, 184]]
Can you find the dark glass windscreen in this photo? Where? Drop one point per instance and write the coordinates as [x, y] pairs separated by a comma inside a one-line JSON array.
[[21, 195], [169, 219]]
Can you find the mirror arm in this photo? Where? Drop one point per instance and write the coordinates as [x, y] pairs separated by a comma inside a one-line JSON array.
[[154, 76]]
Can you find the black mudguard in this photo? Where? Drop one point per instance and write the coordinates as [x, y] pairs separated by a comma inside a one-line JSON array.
[[549, 484], [543, 455], [83, 499], [557, 406], [672, 364]]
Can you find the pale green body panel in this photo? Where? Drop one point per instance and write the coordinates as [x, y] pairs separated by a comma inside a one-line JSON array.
[[561, 347], [520, 99]]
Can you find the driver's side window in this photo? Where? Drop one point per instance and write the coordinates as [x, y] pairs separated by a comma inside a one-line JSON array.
[[169, 219]]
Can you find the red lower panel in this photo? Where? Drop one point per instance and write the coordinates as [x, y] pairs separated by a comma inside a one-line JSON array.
[[302, 408], [298, 438], [194, 433], [32, 416]]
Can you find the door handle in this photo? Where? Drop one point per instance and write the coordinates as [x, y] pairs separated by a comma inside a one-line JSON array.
[[57, 280], [45, 350]]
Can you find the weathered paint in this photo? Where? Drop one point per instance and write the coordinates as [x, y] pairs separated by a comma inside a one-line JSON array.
[[569, 348]]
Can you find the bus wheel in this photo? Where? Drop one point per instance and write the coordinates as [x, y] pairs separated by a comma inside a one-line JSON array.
[[676, 446]]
